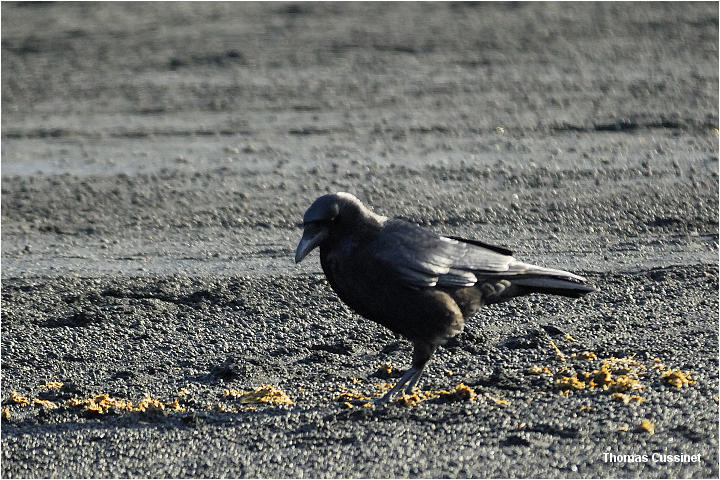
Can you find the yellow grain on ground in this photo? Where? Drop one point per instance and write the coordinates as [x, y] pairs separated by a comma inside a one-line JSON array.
[[99, 404], [175, 405], [560, 355], [350, 395], [231, 392], [624, 383], [382, 388], [412, 399], [613, 375], [570, 383], [384, 369], [148, 403], [460, 392], [584, 356], [19, 399], [498, 401], [678, 378], [617, 375], [51, 386], [6, 413], [536, 370], [647, 426], [601, 378], [104, 403], [464, 392], [624, 398], [44, 403], [267, 394]]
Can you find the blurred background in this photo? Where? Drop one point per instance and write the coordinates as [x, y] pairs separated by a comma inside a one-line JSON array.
[[200, 124]]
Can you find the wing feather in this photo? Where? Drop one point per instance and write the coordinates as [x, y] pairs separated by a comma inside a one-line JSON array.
[[423, 259]]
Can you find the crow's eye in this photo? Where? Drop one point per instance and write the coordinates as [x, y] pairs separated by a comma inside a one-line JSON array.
[[330, 221]]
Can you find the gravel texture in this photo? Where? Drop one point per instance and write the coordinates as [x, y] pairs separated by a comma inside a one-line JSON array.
[[157, 160]]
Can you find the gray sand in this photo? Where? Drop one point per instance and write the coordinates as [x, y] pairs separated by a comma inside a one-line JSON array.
[[156, 162]]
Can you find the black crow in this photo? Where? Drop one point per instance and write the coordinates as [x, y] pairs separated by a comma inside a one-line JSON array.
[[415, 282]]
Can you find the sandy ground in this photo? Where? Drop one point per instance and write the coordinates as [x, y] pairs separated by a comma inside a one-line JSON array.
[[156, 162]]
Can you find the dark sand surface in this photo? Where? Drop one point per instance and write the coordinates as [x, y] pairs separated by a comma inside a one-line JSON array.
[[156, 161]]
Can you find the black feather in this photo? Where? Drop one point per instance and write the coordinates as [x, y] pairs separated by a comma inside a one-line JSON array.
[[478, 243]]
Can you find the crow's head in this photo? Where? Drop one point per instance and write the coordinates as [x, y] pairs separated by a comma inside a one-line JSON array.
[[331, 214]]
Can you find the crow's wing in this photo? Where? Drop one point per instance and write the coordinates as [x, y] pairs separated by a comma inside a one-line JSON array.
[[423, 259]]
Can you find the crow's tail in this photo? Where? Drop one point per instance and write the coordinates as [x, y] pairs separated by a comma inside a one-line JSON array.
[[554, 286], [553, 282]]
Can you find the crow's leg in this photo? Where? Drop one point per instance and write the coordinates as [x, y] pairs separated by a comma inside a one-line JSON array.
[[414, 381], [398, 386], [421, 355]]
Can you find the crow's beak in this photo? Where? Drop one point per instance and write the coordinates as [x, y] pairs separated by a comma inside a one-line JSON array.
[[313, 235]]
